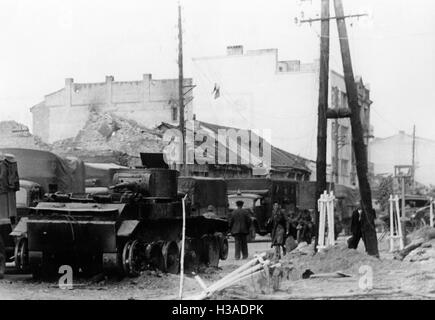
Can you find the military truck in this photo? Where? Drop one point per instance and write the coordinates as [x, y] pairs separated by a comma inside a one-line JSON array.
[[51, 172], [204, 192], [99, 176], [259, 195], [9, 184]]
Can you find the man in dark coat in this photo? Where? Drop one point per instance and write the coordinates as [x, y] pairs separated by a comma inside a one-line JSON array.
[[278, 233], [356, 229], [240, 222]]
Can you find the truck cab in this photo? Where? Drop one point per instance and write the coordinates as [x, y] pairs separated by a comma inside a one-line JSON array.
[[256, 206]]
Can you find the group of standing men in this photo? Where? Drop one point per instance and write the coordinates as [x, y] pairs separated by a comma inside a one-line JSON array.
[[287, 224], [283, 224]]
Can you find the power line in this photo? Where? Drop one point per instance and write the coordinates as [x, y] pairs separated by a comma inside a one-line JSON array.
[[384, 119]]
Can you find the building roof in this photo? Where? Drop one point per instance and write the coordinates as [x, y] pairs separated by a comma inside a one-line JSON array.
[[401, 134], [281, 160]]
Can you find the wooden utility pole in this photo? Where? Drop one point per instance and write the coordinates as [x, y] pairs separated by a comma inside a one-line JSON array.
[[413, 159], [336, 153], [360, 149], [180, 90], [322, 107]]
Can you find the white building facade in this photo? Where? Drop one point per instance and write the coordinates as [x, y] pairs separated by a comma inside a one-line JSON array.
[[397, 151], [255, 90], [149, 102]]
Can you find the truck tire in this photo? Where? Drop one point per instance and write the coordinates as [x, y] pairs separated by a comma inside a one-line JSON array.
[[2, 258]]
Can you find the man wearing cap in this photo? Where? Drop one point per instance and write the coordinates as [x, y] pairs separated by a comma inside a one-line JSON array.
[[239, 223], [210, 214]]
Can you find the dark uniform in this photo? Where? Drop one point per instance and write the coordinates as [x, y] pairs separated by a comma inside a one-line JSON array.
[[304, 227], [240, 222], [356, 229]]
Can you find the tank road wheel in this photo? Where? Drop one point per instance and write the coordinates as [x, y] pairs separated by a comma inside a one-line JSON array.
[[2, 258], [171, 256], [223, 245], [157, 261], [211, 250], [191, 256], [133, 258], [22, 255]]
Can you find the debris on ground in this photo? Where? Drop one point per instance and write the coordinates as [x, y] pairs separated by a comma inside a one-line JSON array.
[[426, 233], [419, 247], [309, 274], [17, 135], [290, 244], [106, 137], [158, 281], [332, 259], [260, 266], [107, 131]]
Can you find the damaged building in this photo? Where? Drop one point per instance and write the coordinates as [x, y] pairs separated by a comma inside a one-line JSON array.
[[149, 101]]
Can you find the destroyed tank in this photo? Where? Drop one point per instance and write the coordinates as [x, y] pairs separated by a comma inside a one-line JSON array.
[[137, 225]]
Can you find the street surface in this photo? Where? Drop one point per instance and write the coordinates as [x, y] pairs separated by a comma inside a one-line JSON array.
[[391, 280]]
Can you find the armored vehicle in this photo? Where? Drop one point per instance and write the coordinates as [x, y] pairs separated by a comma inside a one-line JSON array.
[[135, 226]]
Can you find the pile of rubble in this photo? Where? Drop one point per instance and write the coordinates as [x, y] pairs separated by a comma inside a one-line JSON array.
[[421, 246], [106, 133], [333, 259], [17, 135], [105, 137]]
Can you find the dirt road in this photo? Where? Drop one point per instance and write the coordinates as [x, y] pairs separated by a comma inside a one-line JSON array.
[[150, 285], [391, 279]]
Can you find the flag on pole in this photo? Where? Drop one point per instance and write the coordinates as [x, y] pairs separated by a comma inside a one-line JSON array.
[[216, 91]]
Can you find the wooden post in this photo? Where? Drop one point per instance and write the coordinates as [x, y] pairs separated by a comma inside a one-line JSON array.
[[322, 107], [336, 162], [360, 150], [331, 219], [413, 159], [431, 212], [183, 240], [403, 213], [399, 225], [391, 224], [181, 91], [402, 182], [322, 220]]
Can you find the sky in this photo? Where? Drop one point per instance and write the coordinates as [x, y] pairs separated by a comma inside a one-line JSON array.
[[45, 41]]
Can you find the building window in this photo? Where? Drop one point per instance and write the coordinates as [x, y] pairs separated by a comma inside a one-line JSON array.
[[335, 97], [174, 113], [343, 100], [344, 168], [344, 133]]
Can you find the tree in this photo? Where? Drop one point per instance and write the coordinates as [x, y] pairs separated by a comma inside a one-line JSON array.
[[385, 190]]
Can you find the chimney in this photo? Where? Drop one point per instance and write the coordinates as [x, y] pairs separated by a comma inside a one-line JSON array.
[[235, 50], [146, 80], [109, 80], [69, 84]]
